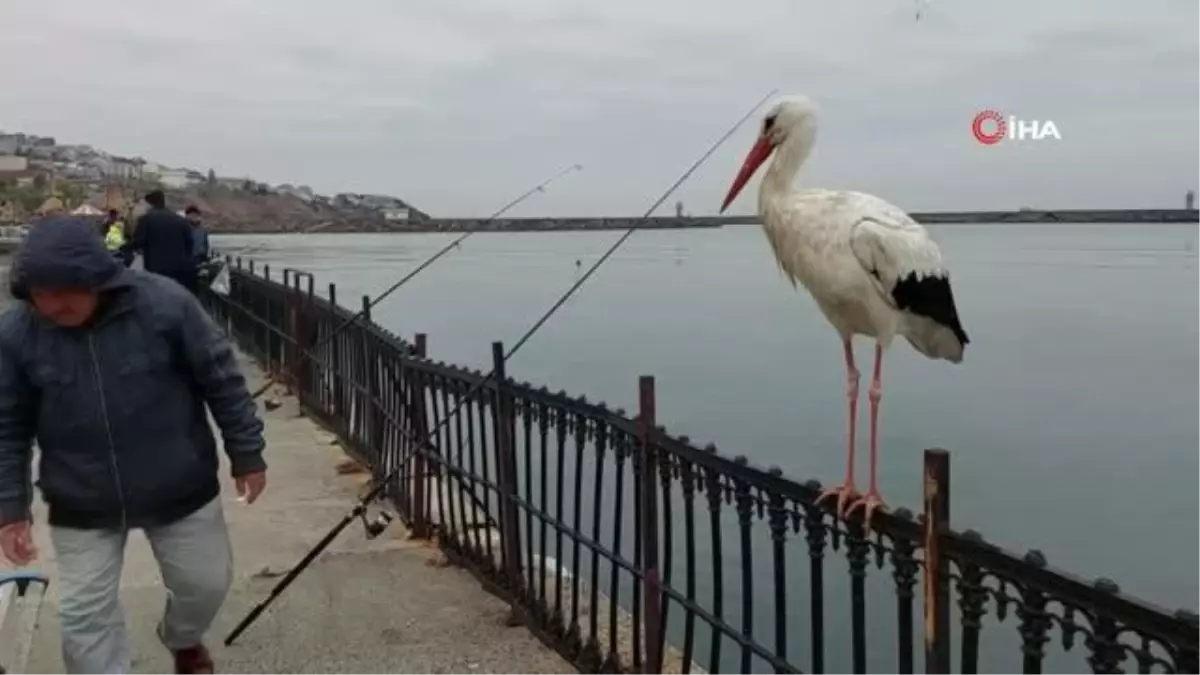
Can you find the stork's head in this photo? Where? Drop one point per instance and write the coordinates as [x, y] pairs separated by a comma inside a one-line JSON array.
[[792, 123]]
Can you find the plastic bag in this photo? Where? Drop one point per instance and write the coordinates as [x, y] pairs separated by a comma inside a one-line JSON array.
[[220, 283]]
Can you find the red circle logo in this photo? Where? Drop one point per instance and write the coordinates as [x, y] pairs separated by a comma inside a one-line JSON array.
[[989, 127]]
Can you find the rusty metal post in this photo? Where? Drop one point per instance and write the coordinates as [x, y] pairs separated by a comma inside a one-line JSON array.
[[420, 428], [368, 372], [292, 343], [334, 364], [652, 576], [274, 358], [937, 569], [256, 310], [506, 472], [300, 364], [309, 334], [286, 335]]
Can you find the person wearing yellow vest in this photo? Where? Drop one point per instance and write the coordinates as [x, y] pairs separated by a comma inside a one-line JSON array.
[[114, 237]]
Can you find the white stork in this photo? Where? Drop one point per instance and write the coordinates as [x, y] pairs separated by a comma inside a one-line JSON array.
[[870, 268]]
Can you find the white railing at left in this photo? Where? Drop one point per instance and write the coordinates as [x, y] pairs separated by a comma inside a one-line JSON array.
[[21, 596]]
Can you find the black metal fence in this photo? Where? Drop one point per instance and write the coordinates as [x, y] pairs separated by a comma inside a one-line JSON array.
[[630, 549]]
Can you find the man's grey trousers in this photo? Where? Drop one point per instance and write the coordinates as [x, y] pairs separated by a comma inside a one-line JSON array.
[[194, 557]]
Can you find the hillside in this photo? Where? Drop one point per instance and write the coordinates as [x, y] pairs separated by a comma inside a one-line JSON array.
[[228, 210], [34, 168]]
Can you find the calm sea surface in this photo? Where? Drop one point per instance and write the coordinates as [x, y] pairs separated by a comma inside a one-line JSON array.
[[1072, 422]]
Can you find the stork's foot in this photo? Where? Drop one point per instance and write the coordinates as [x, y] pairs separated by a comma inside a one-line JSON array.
[[870, 503], [846, 494]]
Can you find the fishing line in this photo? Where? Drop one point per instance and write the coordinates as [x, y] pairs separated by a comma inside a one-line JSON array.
[[540, 187], [360, 507], [255, 248]]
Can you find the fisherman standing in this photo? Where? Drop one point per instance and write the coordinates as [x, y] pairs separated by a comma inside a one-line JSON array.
[[200, 247], [114, 238], [165, 239], [111, 371]]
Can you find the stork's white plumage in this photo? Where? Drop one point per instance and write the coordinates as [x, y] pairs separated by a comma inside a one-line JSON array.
[[871, 269]]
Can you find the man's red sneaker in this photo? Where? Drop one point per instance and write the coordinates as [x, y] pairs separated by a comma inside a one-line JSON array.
[[193, 660]]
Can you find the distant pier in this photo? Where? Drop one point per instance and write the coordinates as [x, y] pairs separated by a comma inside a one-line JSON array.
[[674, 222]]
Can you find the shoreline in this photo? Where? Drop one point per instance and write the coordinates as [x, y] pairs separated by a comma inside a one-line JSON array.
[[576, 224]]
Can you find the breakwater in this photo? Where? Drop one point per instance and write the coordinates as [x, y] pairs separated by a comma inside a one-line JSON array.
[[672, 222], [573, 223], [1062, 216]]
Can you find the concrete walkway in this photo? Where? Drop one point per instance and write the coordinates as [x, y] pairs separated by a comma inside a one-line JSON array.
[[364, 606]]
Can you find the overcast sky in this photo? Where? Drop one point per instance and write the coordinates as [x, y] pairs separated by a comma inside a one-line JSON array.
[[458, 105]]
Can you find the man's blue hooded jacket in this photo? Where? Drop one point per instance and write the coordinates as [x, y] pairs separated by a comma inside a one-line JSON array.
[[117, 407]]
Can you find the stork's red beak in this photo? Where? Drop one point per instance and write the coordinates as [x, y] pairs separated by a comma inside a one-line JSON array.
[[754, 159]]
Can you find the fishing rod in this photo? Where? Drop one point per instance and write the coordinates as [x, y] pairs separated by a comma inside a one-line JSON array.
[[214, 266], [308, 354], [254, 248], [374, 528]]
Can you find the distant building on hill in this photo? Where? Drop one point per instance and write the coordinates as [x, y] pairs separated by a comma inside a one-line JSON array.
[[302, 192], [396, 214], [232, 183], [16, 169], [1190, 200], [24, 178], [120, 168], [13, 163], [384, 204], [26, 144], [179, 178]]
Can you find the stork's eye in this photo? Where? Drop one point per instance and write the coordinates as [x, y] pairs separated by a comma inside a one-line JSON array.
[[768, 125]]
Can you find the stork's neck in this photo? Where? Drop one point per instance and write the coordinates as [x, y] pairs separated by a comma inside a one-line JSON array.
[[780, 176]]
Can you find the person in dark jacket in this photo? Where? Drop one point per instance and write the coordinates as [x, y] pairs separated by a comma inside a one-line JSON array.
[[165, 241], [200, 247], [111, 371]]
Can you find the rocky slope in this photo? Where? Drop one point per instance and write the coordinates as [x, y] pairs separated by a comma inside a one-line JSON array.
[[228, 210]]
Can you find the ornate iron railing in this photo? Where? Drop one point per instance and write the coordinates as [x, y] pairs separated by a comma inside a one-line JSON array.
[[630, 549]]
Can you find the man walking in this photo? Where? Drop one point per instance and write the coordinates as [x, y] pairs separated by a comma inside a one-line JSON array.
[[165, 240], [111, 369]]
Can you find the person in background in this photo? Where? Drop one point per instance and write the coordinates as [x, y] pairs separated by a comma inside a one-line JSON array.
[[109, 217], [114, 238], [165, 241], [51, 208], [111, 370], [200, 247]]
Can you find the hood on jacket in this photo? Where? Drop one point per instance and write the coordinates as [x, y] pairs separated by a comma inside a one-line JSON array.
[[63, 253]]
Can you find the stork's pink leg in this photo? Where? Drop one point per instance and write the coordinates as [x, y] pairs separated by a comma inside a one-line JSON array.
[[871, 500], [847, 490]]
